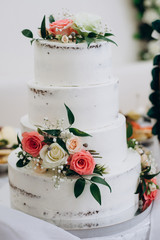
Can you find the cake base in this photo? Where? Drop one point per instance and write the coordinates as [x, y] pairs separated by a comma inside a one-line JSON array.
[[36, 195]]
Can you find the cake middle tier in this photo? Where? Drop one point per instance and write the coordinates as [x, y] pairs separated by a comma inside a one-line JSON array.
[[108, 144], [93, 106]]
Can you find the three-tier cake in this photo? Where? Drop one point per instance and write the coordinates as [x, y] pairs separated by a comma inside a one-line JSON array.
[[78, 77]]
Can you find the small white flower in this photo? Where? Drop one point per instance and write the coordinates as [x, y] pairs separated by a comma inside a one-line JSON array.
[[64, 39]]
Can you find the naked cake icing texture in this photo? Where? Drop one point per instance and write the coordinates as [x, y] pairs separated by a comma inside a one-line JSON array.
[[74, 76]]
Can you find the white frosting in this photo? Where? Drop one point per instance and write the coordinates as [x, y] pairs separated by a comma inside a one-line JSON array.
[[93, 106], [70, 64], [104, 140], [61, 207]]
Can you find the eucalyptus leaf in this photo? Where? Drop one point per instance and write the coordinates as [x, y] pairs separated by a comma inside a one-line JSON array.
[[79, 133], [71, 117], [22, 162], [101, 181], [51, 19], [62, 144], [27, 33], [79, 187], [156, 128], [94, 189], [43, 28]]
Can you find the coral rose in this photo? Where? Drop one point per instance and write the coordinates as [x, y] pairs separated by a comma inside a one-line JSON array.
[[32, 143], [83, 163], [62, 27], [151, 191], [74, 145]]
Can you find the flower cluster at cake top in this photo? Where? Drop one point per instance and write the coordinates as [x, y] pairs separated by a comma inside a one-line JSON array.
[[147, 187], [77, 28], [61, 152]]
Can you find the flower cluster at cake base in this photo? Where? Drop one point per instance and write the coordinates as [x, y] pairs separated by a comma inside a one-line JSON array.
[[62, 152], [82, 27], [147, 186]]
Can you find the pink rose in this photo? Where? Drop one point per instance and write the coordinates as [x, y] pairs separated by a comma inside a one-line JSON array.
[[32, 143], [83, 163], [150, 195], [74, 145], [62, 27]]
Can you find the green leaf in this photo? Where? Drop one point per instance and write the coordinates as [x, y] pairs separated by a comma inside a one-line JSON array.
[[109, 40], [32, 41], [53, 132], [89, 41], [105, 39], [79, 187], [156, 128], [139, 188], [79, 133], [43, 27], [79, 40], [147, 170], [22, 162], [143, 186], [62, 144], [156, 25], [27, 33], [71, 117], [156, 60], [129, 130], [101, 181], [108, 34], [51, 19], [131, 143], [150, 176], [94, 189], [18, 140], [153, 112], [92, 35]]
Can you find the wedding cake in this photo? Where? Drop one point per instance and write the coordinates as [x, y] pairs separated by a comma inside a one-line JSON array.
[[76, 170]]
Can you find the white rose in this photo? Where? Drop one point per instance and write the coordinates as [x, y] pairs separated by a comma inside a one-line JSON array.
[[74, 145], [149, 16], [152, 187], [53, 155], [86, 23]]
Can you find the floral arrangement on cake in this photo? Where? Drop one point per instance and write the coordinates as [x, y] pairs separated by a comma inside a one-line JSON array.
[[147, 12], [77, 28], [147, 186], [61, 151]]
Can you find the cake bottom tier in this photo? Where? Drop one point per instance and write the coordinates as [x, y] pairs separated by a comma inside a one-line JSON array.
[[36, 195]]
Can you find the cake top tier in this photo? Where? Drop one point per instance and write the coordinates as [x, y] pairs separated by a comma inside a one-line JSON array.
[[73, 51]]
